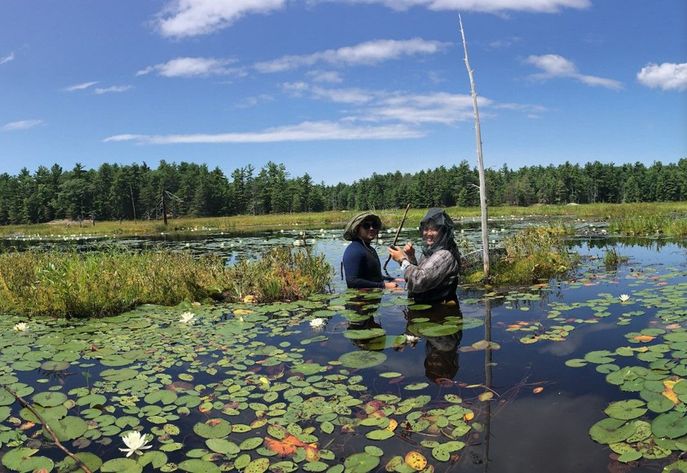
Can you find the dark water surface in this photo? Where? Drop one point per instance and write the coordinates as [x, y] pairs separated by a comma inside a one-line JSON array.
[[490, 373]]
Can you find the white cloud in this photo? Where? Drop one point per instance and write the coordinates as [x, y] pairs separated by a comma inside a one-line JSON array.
[[332, 77], [183, 18], [306, 131], [8, 58], [440, 107], [666, 76], [191, 67], [349, 95], [112, 89], [489, 6], [368, 53], [250, 102], [21, 125], [555, 66], [82, 86]]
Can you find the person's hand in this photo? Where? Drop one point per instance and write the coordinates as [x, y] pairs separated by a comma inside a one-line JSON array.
[[396, 253], [390, 285], [409, 250]]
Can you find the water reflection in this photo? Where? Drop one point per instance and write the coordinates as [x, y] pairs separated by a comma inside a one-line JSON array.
[[441, 352]]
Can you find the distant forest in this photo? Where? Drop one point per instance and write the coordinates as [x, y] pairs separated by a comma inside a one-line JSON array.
[[114, 192]]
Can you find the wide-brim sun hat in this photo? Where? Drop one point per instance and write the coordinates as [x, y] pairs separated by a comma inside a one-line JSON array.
[[351, 228]]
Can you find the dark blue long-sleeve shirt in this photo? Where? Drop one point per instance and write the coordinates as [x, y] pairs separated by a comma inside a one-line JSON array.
[[362, 267]]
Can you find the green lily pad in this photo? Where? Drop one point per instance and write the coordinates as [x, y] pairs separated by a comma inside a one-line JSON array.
[[362, 359], [49, 399], [198, 466], [68, 428], [611, 431], [22, 460], [670, 425], [54, 365], [364, 334], [626, 410], [223, 446], [380, 434], [257, 466], [121, 465], [361, 463], [69, 465], [439, 330], [213, 428]]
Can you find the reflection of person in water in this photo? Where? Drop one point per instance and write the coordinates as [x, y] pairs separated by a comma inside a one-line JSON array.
[[435, 278], [365, 307], [441, 356], [441, 352]]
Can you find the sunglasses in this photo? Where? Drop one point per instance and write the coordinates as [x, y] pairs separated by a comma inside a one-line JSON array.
[[368, 225]]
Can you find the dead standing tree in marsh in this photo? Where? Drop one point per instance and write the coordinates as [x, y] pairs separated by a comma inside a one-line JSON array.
[[480, 161]]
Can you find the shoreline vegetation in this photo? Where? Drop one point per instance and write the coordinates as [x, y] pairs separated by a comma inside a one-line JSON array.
[[630, 219], [72, 285]]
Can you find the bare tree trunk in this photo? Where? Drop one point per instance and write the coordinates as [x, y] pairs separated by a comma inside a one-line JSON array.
[[480, 161]]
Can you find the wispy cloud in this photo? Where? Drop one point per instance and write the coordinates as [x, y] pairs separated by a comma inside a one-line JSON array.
[[8, 58], [115, 89], [368, 53], [306, 131], [191, 67], [555, 66], [185, 18], [332, 77], [21, 125], [666, 76], [400, 107], [341, 95], [255, 100], [489, 6], [439, 107], [82, 86]]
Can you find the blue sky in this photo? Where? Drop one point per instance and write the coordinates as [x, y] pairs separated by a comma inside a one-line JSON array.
[[340, 88]]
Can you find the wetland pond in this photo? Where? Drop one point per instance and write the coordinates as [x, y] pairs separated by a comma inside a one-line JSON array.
[[583, 375]]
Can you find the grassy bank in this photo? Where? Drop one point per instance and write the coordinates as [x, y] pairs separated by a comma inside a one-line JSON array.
[[533, 255], [100, 284], [650, 225], [337, 219]]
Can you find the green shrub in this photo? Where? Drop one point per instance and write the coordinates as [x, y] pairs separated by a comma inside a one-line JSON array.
[[106, 283], [531, 255]]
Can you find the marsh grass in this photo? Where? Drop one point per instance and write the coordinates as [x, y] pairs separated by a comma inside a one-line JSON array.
[[672, 226], [337, 219], [613, 259], [534, 254], [107, 283]]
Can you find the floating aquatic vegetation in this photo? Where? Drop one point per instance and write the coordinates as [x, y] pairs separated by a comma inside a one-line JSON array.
[[234, 389]]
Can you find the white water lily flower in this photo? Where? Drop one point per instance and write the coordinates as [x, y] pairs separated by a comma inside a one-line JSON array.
[[411, 338], [624, 298], [135, 442], [21, 327], [317, 323], [186, 317]]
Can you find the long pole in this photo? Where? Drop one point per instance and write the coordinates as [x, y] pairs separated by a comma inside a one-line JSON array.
[[480, 160]]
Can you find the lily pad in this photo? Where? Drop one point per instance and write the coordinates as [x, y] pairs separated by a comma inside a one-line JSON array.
[[362, 359], [212, 428], [670, 425], [611, 431], [626, 410], [361, 463]]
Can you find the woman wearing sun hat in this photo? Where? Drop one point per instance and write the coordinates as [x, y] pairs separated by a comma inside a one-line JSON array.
[[360, 260]]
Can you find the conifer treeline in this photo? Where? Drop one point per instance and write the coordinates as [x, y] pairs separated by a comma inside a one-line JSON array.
[[114, 191]]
